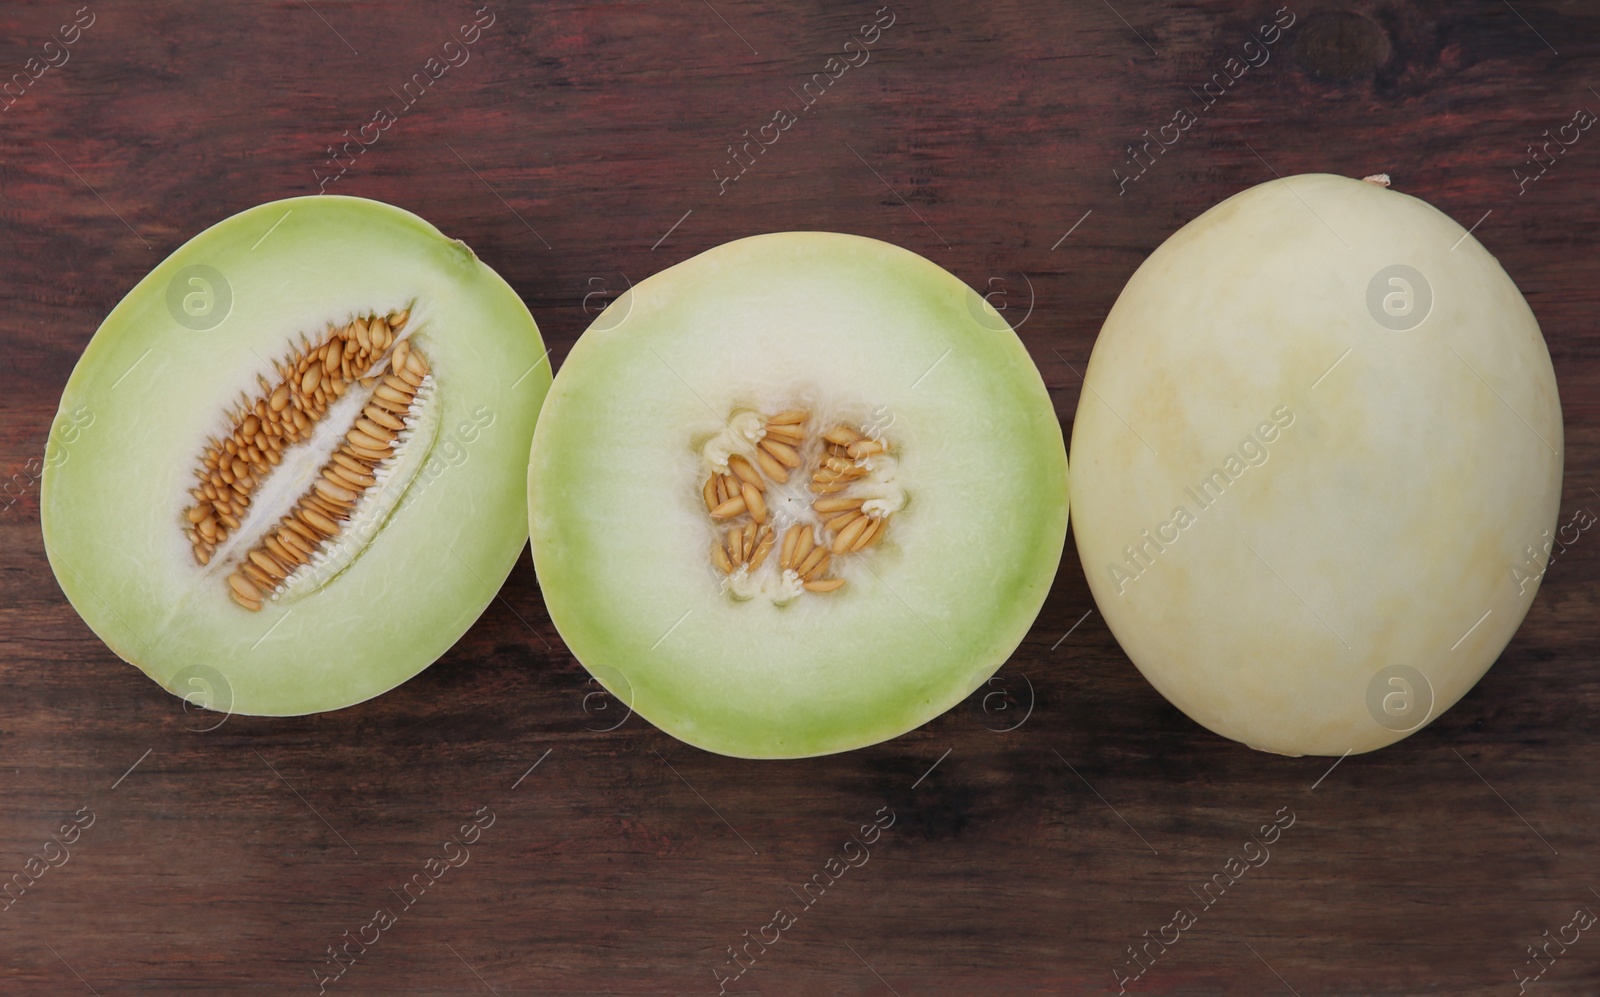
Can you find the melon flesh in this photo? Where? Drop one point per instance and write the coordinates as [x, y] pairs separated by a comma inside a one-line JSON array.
[[1398, 515], [438, 546], [854, 331]]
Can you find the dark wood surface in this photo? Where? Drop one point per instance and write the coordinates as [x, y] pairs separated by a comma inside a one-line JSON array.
[[574, 151]]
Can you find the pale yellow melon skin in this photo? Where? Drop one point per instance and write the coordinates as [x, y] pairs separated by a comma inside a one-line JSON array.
[[1388, 517]]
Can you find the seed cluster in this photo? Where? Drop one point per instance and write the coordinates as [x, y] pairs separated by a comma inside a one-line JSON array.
[[286, 413], [741, 491]]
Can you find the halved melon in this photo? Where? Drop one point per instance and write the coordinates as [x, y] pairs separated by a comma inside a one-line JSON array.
[[796, 495], [301, 465]]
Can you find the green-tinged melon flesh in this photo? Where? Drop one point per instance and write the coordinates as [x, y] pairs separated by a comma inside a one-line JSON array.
[[301, 470], [796, 495]]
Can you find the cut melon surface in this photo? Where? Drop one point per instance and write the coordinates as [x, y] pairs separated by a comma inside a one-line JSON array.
[[426, 525], [958, 462], [1317, 465]]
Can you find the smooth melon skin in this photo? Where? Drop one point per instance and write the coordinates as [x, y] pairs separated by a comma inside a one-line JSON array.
[[846, 325], [1390, 522], [156, 388]]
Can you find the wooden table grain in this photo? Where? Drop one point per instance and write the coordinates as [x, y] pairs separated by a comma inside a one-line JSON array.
[[1040, 829]]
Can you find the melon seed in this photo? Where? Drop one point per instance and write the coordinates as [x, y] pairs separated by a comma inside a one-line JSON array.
[[744, 492], [232, 466]]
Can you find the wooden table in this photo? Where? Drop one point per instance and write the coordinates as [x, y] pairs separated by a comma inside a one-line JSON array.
[[575, 150]]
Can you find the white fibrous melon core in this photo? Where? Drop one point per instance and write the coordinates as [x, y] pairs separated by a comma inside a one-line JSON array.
[[790, 497], [295, 486]]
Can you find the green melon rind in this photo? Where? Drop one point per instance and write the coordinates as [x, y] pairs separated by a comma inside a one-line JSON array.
[[109, 508], [915, 635]]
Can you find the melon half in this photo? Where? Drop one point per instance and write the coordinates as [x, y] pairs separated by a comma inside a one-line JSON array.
[[796, 495], [296, 466]]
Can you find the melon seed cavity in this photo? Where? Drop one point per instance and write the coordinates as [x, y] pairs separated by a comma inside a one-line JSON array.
[[796, 502], [367, 355]]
